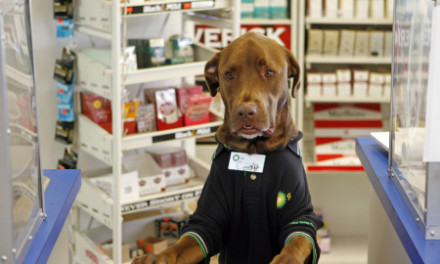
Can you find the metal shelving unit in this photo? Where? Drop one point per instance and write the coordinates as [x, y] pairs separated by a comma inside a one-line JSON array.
[[106, 20]]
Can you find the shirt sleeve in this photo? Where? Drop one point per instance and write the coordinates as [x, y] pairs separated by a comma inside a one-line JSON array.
[[296, 217], [210, 217]]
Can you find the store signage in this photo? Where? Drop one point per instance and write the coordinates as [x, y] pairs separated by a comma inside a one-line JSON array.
[[155, 8], [205, 131], [161, 201], [221, 37]]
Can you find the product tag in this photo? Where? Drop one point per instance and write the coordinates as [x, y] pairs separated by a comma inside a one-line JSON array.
[[245, 162]]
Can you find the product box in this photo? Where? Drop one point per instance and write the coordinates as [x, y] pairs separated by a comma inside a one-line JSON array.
[[361, 75], [378, 9], [362, 9], [314, 77], [360, 89], [247, 10], [153, 245], [387, 90], [315, 8], [347, 43], [261, 9], [331, 8], [343, 75], [173, 163], [331, 42], [150, 177], [375, 90], [128, 190], [329, 90], [66, 112], [182, 48], [362, 46], [168, 115], [335, 145], [95, 107], [278, 9], [156, 51], [146, 118], [346, 8], [193, 104], [169, 227], [65, 92], [377, 78], [388, 50], [130, 110], [344, 89], [329, 78], [107, 248], [315, 42], [376, 43], [314, 89]]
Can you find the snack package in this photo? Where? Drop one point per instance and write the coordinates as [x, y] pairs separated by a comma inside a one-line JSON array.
[[146, 118], [168, 115]]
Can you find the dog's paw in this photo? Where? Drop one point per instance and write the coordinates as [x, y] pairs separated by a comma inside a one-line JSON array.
[[151, 259], [284, 259]]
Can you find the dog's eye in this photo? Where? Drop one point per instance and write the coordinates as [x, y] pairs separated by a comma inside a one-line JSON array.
[[229, 76], [269, 73]]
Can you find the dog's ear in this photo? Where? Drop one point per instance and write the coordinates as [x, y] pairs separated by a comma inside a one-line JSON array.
[[293, 72], [211, 74]]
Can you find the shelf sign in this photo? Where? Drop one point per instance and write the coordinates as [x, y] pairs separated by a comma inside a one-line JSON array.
[[161, 201], [156, 8], [220, 37], [186, 134]]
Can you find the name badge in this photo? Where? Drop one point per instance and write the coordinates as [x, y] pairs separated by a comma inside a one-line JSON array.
[[244, 162]]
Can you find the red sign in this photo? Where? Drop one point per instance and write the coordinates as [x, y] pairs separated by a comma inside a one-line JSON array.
[[220, 37]]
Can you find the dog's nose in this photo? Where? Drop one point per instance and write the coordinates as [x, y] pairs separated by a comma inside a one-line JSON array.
[[246, 110]]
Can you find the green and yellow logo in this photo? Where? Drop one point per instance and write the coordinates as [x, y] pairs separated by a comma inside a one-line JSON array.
[[236, 157], [282, 199]]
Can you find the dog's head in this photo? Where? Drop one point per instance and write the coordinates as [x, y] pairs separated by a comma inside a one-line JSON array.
[[252, 74]]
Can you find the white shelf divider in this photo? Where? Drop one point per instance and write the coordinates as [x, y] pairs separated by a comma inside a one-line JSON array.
[[349, 21], [316, 59]]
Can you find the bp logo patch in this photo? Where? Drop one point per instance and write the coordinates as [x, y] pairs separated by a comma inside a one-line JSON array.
[[236, 157], [282, 199]]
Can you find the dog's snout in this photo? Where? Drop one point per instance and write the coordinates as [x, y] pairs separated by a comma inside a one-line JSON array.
[[246, 111]]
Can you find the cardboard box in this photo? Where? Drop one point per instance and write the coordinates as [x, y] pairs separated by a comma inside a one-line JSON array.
[[107, 248], [261, 9], [247, 10], [329, 90], [343, 75], [361, 75], [153, 245], [375, 90], [96, 108], [315, 8], [360, 89], [315, 42], [168, 115], [362, 9], [331, 42], [128, 190], [193, 104], [346, 47], [314, 89], [344, 89], [150, 177], [278, 9], [329, 78], [314, 77], [173, 163], [362, 46], [378, 9], [376, 43], [331, 8], [346, 8], [377, 78]]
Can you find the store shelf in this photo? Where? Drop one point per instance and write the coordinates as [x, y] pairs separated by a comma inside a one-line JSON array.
[[95, 75], [97, 15], [346, 250], [334, 99], [261, 21], [98, 204], [315, 59], [98, 142], [348, 21], [19, 77]]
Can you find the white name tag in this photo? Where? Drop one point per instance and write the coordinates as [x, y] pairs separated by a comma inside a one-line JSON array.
[[244, 162]]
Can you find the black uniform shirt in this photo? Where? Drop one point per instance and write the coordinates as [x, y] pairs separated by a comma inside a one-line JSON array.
[[249, 217]]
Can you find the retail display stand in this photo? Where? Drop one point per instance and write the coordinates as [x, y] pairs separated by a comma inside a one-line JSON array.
[[59, 195], [108, 20]]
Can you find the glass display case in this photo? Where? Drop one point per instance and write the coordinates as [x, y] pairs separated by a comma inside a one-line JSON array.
[[415, 123], [21, 196]]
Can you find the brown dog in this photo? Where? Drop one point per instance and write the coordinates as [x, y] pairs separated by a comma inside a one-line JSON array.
[[251, 210]]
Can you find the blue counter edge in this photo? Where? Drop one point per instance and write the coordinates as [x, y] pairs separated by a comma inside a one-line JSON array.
[[374, 159], [59, 197]]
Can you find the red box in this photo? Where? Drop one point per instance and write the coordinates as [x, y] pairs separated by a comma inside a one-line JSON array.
[[96, 108], [193, 105], [168, 115]]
